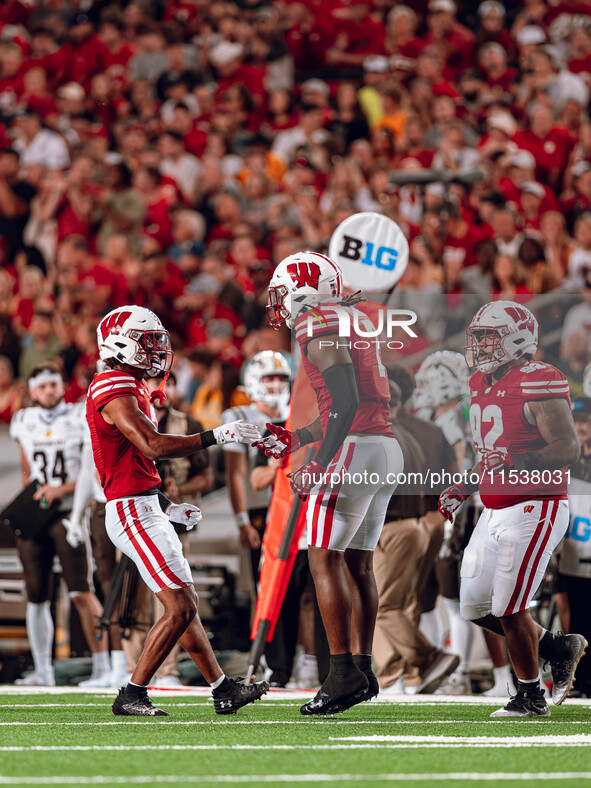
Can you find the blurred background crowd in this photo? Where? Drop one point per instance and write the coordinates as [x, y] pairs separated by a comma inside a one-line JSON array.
[[170, 154]]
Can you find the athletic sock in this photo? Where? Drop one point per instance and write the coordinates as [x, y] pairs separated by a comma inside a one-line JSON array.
[[118, 662], [40, 635], [529, 686], [502, 676], [344, 677], [363, 662], [221, 685], [551, 647], [136, 690], [100, 663]]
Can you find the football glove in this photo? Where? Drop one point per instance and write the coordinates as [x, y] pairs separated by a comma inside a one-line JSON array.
[[236, 432], [75, 532], [280, 443], [495, 461], [306, 478], [184, 514], [451, 499]]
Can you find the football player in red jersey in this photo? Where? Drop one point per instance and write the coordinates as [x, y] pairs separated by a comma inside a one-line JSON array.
[[344, 518], [524, 433], [125, 442]]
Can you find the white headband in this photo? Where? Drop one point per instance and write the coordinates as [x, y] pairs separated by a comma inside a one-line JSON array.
[[45, 376]]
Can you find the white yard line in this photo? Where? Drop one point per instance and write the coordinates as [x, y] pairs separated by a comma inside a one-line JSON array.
[[298, 778], [273, 694], [579, 739]]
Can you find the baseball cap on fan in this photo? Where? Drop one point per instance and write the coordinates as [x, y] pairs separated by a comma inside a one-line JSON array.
[[581, 407], [447, 6]]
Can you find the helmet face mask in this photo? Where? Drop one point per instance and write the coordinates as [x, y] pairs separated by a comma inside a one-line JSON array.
[[297, 281], [135, 336], [441, 378], [500, 331]]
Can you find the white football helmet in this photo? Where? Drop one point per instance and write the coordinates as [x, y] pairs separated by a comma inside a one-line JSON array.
[[295, 283], [134, 335], [265, 364], [500, 332], [442, 376]]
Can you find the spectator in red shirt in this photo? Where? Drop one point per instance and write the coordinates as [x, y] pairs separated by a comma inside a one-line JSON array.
[[455, 42], [412, 143], [99, 286], [12, 69], [157, 224], [83, 55], [36, 93], [228, 60], [118, 50], [532, 196], [550, 145], [509, 279], [492, 17], [579, 52], [401, 42], [500, 79], [200, 299], [520, 167]]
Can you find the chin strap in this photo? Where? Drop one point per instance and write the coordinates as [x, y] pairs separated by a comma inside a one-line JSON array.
[[159, 393]]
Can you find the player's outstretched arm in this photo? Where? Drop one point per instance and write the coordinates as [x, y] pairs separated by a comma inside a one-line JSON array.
[[281, 443], [125, 414]]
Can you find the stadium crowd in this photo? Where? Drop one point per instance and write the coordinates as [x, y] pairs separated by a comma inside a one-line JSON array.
[[171, 154]]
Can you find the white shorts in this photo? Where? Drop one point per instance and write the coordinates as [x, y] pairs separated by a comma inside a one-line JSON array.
[[141, 530], [350, 512], [507, 555]]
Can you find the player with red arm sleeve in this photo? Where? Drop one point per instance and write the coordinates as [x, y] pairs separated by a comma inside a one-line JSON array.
[[125, 442], [344, 517], [524, 433]]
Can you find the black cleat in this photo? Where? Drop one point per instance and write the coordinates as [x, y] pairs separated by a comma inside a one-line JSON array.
[[237, 696], [563, 670], [527, 704], [325, 703], [126, 705], [373, 688]]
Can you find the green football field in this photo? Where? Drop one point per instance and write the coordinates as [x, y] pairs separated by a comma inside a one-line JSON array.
[[66, 737]]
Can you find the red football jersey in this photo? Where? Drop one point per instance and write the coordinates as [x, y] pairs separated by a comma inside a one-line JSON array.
[[123, 470], [499, 421], [373, 413]]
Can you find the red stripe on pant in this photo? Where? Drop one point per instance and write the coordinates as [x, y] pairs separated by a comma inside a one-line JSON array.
[[539, 556], [136, 544], [320, 495], [332, 501], [151, 545], [523, 568]]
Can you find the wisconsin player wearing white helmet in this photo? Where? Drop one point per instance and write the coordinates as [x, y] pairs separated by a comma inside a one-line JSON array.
[[50, 436], [266, 380], [125, 442], [344, 519], [524, 433]]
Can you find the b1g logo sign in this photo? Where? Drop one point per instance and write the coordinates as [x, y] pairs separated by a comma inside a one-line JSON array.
[[371, 250], [383, 257]]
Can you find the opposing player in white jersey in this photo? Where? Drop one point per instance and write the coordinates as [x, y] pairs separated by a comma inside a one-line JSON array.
[[50, 436], [524, 433], [345, 517], [442, 386], [266, 380], [125, 442]]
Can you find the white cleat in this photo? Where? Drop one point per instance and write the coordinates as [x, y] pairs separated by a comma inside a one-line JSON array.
[[37, 679], [101, 681]]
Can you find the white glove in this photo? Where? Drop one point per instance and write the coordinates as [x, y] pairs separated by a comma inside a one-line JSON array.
[[75, 533], [184, 514], [236, 432]]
